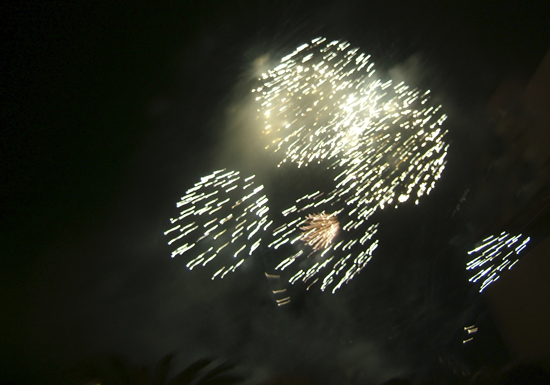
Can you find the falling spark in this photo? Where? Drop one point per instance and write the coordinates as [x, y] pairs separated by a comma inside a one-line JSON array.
[[493, 255], [224, 215]]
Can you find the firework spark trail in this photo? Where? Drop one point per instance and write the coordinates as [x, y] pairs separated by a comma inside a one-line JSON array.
[[223, 213], [322, 102], [493, 255]]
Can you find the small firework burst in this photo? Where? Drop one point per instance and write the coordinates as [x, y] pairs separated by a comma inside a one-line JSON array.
[[384, 143], [319, 230]]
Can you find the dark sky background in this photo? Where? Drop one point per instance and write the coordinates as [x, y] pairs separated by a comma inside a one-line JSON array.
[[111, 111]]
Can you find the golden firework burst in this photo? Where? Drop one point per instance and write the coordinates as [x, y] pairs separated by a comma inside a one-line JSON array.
[[319, 230]]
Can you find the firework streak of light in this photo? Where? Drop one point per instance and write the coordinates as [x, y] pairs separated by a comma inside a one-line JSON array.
[[323, 105], [494, 255], [223, 213]]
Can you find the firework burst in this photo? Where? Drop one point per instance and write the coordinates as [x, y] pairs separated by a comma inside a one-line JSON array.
[[223, 214], [495, 254], [327, 248]]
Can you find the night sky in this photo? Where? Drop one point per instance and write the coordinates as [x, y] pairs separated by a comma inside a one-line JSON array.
[[110, 112]]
